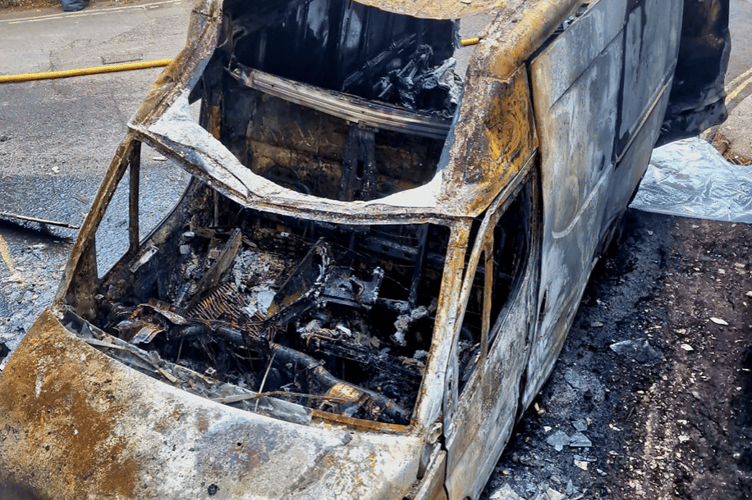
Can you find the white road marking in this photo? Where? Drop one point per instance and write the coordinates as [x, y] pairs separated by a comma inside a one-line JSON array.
[[89, 13]]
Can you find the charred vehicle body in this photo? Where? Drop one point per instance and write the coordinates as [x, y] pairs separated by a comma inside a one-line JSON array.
[[377, 258]]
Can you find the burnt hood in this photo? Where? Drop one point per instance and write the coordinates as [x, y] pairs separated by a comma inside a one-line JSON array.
[[101, 430]]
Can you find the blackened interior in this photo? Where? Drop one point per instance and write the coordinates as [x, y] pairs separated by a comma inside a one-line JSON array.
[[340, 46], [330, 316], [334, 44]]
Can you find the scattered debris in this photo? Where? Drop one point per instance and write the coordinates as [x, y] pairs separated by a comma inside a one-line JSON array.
[[639, 349], [579, 440], [340, 322], [586, 382], [8, 215], [558, 440], [580, 425], [505, 493], [719, 321]]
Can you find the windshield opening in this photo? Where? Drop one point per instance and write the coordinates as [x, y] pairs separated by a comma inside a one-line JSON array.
[[332, 98], [331, 317]]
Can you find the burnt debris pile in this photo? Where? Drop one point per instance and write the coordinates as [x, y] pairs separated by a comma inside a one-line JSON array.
[[348, 47], [415, 82], [331, 317]]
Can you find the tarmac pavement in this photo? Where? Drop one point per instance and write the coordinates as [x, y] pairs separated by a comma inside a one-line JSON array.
[[51, 40], [57, 138]]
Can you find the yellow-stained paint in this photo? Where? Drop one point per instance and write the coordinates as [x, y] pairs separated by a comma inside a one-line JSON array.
[[483, 163], [524, 27], [7, 257], [82, 425], [508, 124], [63, 420]]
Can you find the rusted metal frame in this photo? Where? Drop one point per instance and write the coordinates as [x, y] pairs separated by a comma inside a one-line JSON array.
[[453, 297], [485, 232], [360, 424], [517, 32], [85, 241], [487, 293], [316, 208], [134, 165], [492, 139], [530, 175], [348, 107], [431, 485], [459, 449], [204, 22], [430, 400], [484, 244], [187, 67]]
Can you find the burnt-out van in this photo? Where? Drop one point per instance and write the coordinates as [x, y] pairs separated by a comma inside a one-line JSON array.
[[377, 258]]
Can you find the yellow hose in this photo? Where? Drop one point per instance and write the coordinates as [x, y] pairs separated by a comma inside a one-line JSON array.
[[98, 70]]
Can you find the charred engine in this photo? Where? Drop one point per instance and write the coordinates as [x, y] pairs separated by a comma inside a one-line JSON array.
[[329, 316]]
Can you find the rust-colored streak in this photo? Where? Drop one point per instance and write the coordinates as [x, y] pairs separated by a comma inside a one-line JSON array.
[[507, 128], [65, 426]]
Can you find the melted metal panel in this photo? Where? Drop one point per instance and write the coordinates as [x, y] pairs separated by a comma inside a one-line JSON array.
[[578, 150]]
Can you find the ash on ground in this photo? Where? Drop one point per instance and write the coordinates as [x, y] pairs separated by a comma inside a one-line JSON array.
[[652, 394]]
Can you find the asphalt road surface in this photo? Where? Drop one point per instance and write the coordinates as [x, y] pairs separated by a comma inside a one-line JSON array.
[[57, 138]]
